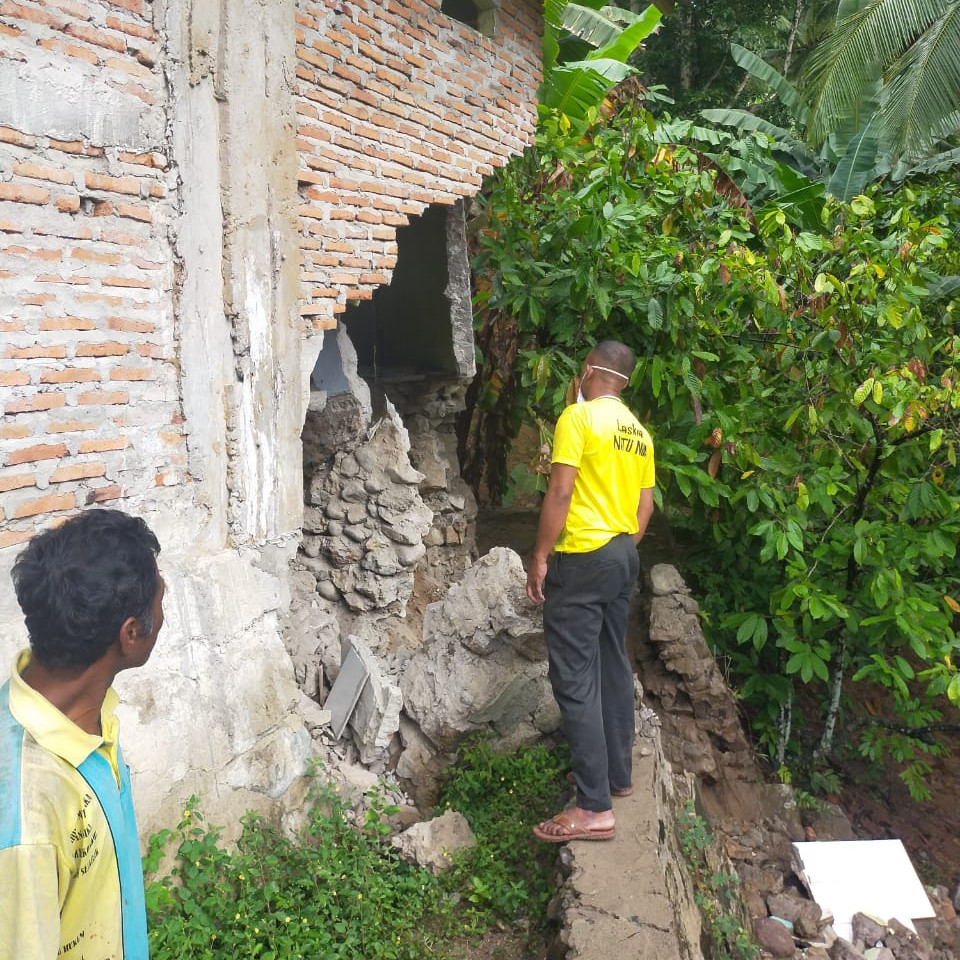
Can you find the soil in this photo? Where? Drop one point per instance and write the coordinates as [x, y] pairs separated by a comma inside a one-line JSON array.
[[880, 807], [876, 802]]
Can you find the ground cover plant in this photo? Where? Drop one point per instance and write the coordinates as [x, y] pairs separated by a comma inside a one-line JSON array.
[[716, 892], [337, 889], [802, 385]]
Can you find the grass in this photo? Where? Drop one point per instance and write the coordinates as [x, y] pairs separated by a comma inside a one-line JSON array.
[[336, 890]]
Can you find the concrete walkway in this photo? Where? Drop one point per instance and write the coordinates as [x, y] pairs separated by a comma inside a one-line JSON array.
[[628, 898]]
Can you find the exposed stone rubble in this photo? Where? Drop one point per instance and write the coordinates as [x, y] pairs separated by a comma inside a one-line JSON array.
[[685, 686], [429, 409], [890, 940], [365, 520], [434, 843], [756, 822]]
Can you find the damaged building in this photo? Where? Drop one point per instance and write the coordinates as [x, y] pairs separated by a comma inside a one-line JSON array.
[[236, 301]]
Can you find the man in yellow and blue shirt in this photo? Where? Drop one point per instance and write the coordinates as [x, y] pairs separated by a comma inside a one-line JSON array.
[[72, 884], [597, 507]]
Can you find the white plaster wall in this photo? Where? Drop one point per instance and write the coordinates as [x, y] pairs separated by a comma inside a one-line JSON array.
[[232, 125], [75, 104], [215, 710]]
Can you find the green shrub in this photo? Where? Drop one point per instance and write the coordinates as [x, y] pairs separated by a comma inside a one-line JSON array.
[[333, 891], [508, 873], [338, 890]]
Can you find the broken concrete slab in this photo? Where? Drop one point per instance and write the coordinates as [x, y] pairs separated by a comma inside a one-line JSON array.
[[477, 670], [432, 843], [346, 691], [376, 717]]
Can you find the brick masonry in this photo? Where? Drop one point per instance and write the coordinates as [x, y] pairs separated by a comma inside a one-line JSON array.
[[88, 378], [397, 107]]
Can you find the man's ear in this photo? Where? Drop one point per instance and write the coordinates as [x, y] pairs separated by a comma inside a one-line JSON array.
[[131, 630]]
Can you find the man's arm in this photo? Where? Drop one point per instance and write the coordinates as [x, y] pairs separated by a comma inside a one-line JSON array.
[[29, 905], [644, 512], [553, 515]]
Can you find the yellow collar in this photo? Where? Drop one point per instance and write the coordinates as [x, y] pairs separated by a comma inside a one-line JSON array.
[[53, 730]]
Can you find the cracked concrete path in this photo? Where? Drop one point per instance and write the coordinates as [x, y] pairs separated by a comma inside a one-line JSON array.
[[616, 902]]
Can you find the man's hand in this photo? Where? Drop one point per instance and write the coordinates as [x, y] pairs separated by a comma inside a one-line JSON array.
[[536, 572], [553, 516]]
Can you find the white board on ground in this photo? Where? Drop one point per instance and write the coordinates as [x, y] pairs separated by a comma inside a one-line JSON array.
[[874, 877]]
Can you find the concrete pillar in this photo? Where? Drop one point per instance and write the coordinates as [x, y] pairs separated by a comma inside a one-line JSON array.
[[233, 130]]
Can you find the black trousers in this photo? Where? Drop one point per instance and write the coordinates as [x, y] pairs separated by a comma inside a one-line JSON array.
[[585, 622]]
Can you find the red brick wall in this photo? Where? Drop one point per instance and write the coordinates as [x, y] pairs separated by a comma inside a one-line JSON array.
[[88, 396], [398, 107]]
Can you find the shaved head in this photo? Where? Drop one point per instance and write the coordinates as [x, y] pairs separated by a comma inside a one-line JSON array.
[[615, 355]]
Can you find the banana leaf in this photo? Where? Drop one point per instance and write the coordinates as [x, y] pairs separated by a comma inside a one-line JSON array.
[[789, 95], [576, 87], [863, 163], [601, 28], [785, 141], [631, 38]]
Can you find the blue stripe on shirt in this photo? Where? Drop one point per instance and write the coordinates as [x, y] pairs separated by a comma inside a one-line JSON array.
[[118, 807], [11, 753]]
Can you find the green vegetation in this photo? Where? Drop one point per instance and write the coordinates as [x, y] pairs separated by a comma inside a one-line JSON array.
[[801, 378], [508, 874], [585, 53], [339, 890], [332, 891], [717, 893]]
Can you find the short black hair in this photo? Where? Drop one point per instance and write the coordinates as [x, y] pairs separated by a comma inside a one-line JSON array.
[[77, 583]]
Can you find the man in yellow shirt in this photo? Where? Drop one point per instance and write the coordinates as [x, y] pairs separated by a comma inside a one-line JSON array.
[[597, 506], [71, 884]]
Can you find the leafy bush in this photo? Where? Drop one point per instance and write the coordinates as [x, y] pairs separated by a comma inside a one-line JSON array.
[[338, 890], [333, 891], [509, 873], [803, 390]]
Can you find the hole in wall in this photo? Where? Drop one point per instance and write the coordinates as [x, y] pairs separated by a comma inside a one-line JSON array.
[[405, 330], [463, 10], [388, 521]]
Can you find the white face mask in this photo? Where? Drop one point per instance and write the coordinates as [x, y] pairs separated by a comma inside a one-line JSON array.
[[592, 366]]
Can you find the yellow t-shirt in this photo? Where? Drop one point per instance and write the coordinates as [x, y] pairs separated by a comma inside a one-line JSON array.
[[613, 454], [71, 884]]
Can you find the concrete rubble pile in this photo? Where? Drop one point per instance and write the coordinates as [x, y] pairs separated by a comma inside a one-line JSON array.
[[798, 931], [755, 822]]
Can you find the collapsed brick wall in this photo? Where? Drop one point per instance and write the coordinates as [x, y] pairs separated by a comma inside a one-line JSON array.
[[87, 376], [399, 106], [104, 129]]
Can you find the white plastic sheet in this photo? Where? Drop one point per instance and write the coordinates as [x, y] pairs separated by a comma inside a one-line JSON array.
[[874, 877]]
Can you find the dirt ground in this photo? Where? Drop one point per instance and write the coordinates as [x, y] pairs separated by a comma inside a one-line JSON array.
[[876, 802], [879, 807]]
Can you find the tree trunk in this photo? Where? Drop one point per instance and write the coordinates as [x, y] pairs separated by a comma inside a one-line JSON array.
[[685, 28], [826, 740], [784, 727], [798, 11]]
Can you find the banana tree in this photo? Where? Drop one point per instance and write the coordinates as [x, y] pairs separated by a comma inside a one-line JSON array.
[[881, 97], [853, 155], [585, 51]]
